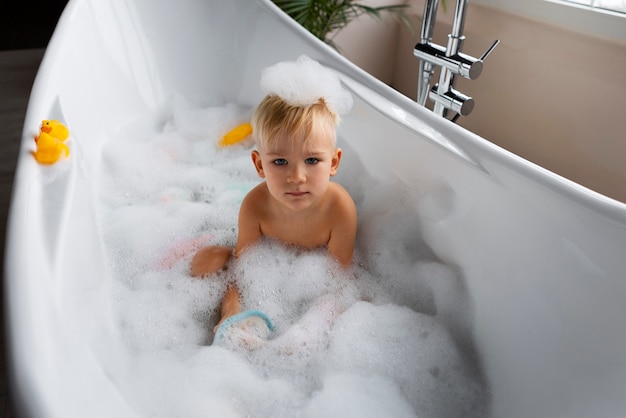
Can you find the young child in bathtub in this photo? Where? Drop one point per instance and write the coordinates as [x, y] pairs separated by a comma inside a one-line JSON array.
[[296, 154]]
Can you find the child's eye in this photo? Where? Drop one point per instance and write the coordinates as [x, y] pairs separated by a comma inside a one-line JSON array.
[[280, 161], [311, 160]]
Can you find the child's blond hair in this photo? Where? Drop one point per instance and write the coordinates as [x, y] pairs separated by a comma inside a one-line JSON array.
[[276, 120]]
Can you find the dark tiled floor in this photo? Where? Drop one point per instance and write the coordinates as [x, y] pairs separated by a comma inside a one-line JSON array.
[[28, 24], [17, 72]]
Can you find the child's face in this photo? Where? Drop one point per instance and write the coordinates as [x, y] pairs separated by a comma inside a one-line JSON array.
[[298, 177]]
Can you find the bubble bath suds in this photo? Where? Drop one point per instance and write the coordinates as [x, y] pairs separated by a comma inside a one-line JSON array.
[[385, 339]]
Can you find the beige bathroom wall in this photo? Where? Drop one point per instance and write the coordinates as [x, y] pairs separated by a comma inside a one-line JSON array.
[[371, 43], [548, 94]]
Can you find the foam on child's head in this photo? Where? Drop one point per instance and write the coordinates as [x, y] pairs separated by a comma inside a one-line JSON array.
[[304, 82], [302, 96]]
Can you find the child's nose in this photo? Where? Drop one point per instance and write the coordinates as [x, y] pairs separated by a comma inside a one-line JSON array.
[[297, 174]]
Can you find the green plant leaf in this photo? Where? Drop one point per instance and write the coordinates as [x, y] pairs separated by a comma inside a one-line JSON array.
[[323, 17]]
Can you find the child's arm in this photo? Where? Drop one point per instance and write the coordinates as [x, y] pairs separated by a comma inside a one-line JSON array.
[[209, 260], [249, 227], [343, 234], [213, 258], [249, 233]]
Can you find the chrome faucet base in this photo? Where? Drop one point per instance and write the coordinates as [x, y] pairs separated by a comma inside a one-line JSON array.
[[451, 61]]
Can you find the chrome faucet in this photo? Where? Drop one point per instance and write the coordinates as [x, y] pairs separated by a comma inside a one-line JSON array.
[[450, 59]]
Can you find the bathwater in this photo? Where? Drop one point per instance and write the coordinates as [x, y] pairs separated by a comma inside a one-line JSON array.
[[389, 337]]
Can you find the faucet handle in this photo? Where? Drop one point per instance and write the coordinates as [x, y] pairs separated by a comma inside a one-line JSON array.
[[475, 67], [489, 50], [453, 100], [459, 63]]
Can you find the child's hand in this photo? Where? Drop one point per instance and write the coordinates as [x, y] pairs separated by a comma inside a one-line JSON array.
[[209, 260]]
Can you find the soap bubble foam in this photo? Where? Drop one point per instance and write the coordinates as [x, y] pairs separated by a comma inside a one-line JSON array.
[[377, 339], [304, 82]]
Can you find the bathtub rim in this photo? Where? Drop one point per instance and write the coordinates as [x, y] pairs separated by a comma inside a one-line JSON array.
[[476, 147]]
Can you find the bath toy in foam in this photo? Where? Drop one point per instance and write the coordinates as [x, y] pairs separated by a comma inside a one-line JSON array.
[[179, 250], [248, 329], [49, 149], [50, 142], [236, 135], [55, 129]]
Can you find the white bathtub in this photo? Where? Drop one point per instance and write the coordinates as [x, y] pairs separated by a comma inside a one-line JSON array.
[[543, 260]]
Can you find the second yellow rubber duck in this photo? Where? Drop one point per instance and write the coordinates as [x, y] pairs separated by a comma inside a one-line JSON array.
[[236, 135], [50, 142], [55, 129]]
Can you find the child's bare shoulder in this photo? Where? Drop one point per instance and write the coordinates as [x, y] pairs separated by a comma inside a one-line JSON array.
[[338, 191], [340, 198], [255, 198], [259, 191]]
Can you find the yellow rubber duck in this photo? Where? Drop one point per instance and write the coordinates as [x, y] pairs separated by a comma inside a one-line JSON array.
[[55, 129], [236, 135], [50, 142]]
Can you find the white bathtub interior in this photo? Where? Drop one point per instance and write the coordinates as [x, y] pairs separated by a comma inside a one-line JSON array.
[[539, 259]]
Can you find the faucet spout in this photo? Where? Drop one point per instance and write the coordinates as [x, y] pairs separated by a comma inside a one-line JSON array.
[[427, 68], [455, 41]]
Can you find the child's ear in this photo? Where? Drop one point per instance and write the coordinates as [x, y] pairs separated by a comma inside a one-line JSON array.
[[334, 164], [258, 164]]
